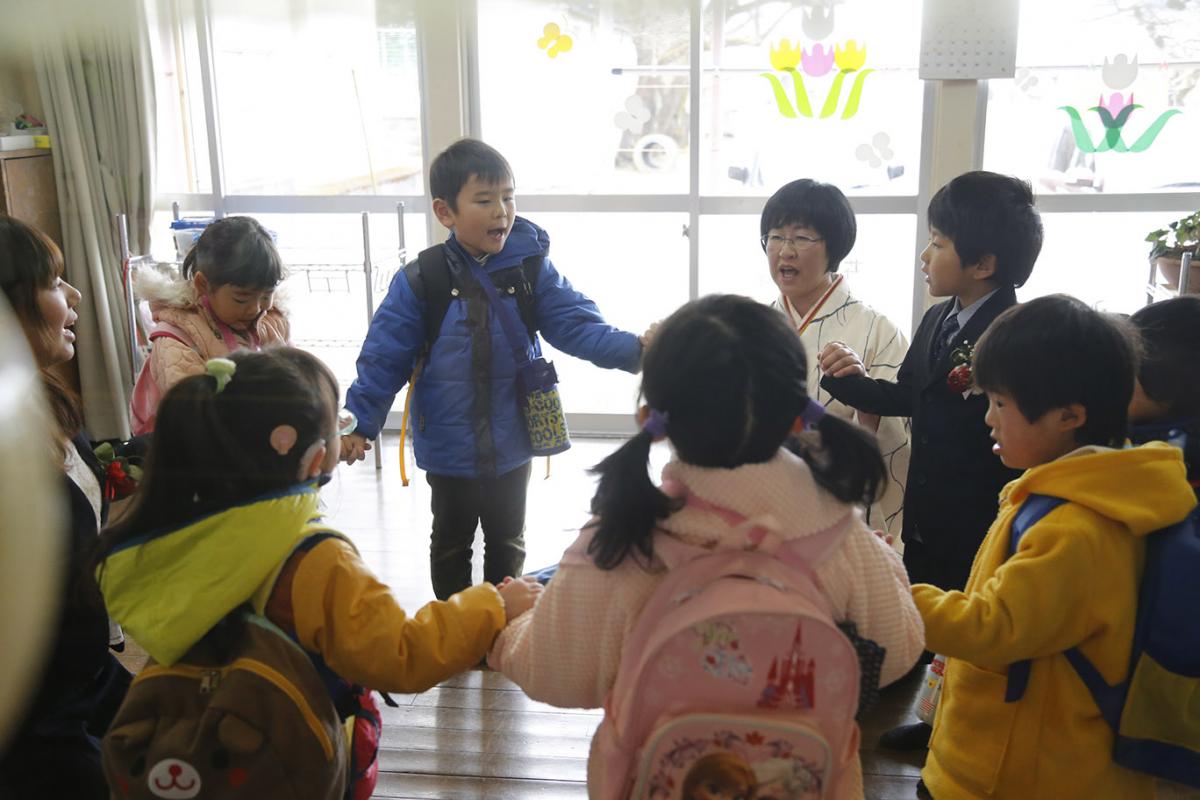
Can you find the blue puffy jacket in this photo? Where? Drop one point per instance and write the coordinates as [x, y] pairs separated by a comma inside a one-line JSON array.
[[458, 429]]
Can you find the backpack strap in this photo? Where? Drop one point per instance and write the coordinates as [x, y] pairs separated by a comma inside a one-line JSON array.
[[1032, 510], [531, 269], [429, 279], [165, 330]]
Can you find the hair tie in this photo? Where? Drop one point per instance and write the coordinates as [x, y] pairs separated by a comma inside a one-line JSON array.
[[221, 370], [812, 413], [655, 423]]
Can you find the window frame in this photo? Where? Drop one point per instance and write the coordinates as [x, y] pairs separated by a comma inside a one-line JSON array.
[[447, 48]]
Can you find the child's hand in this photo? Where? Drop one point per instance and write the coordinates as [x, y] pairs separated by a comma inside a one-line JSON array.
[[837, 360], [354, 447], [886, 537], [647, 337], [519, 595]]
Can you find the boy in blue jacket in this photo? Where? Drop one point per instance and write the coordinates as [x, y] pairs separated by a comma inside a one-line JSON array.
[[469, 430]]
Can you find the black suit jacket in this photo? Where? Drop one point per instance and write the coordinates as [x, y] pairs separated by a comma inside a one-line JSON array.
[[954, 479]]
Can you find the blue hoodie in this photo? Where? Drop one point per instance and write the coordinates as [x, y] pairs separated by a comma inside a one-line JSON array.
[[458, 429]]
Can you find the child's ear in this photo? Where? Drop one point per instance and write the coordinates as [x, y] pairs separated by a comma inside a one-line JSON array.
[[200, 283], [311, 461], [441, 210], [1072, 417], [985, 269]]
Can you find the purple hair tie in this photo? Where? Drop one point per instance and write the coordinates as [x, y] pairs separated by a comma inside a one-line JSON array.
[[656, 424], [812, 413]]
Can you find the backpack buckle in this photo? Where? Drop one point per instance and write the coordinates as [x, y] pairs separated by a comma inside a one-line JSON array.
[[210, 679]]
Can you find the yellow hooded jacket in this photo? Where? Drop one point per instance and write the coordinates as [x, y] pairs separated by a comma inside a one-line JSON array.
[[169, 588], [1072, 582]]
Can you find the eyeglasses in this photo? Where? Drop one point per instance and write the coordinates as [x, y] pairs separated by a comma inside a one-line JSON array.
[[773, 242], [347, 422]]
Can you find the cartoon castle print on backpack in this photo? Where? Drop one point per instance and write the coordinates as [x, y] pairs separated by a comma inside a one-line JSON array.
[[790, 681]]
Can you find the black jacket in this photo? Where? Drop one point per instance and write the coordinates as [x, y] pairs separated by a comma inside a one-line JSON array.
[[954, 479]]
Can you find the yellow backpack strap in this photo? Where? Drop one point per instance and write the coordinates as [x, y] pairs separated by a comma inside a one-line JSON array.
[[412, 381], [310, 536]]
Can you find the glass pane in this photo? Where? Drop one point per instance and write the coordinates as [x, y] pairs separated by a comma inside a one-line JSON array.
[[732, 260], [1099, 258], [319, 98], [1111, 107], [791, 91], [182, 160], [325, 294], [609, 115], [642, 284]]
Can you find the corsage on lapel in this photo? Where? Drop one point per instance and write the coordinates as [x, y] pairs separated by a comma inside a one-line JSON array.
[[961, 377], [121, 474]]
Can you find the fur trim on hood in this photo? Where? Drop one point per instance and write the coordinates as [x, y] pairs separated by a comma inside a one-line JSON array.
[[163, 290]]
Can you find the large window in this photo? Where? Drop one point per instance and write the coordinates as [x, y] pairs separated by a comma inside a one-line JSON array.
[[645, 137], [803, 90], [597, 106], [319, 98], [587, 98], [1102, 117]]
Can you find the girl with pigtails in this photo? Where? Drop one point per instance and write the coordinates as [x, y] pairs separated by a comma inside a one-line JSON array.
[[724, 385], [227, 519]]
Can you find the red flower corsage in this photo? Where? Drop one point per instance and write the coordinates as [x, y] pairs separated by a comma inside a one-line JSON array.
[[121, 475], [961, 377]]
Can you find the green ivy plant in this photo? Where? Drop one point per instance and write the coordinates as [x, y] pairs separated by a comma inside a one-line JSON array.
[[1178, 237]]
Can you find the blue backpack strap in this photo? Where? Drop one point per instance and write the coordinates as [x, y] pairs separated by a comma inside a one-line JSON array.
[[1032, 510], [344, 693]]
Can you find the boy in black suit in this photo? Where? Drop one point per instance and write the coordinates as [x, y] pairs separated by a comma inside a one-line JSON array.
[[984, 237]]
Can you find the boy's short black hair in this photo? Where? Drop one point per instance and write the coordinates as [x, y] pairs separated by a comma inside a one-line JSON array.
[[455, 165], [1055, 351], [1169, 370], [816, 205], [982, 213]]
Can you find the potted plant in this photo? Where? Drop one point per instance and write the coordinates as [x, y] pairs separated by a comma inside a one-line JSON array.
[[1168, 246]]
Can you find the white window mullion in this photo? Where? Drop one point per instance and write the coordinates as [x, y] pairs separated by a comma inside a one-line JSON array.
[[693, 231], [209, 84]]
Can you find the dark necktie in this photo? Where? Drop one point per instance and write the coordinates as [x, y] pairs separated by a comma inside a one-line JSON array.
[[946, 333]]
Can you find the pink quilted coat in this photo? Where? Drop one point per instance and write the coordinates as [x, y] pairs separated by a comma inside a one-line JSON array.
[[175, 302]]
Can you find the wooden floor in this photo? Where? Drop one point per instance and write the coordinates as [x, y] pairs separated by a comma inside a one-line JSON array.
[[477, 735]]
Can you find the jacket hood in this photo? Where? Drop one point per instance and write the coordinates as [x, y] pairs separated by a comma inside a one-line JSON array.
[[1144, 488], [169, 588], [779, 495], [164, 291]]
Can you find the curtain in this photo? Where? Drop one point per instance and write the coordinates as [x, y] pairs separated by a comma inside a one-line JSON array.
[[96, 80]]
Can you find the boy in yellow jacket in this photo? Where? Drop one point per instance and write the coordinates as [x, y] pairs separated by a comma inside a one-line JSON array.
[[1059, 377]]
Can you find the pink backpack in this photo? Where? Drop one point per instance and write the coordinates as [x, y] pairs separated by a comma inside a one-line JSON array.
[[143, 405], [735, 678]]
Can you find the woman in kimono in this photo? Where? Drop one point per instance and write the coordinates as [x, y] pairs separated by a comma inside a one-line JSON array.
[[807, 228]]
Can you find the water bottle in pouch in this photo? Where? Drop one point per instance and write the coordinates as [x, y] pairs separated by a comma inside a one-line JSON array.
[[931, 689]]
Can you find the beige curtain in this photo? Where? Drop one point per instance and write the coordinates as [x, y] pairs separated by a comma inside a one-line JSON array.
[[95, 77]]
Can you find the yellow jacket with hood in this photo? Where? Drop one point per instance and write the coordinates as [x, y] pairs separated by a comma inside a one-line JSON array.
[[1072, 582], [169, 588]]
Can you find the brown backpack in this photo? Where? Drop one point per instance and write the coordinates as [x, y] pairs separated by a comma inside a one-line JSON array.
[[255, 721]]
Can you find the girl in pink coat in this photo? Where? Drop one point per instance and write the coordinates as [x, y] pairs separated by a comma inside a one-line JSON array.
[[724, 381], [225, 302]]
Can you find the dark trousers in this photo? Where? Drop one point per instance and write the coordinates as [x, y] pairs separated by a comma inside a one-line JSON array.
[[459, 506], [57, 752], [925, 564]]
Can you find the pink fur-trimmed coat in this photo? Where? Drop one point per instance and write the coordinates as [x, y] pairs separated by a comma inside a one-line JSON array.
[[566, 651], [176, 302]]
